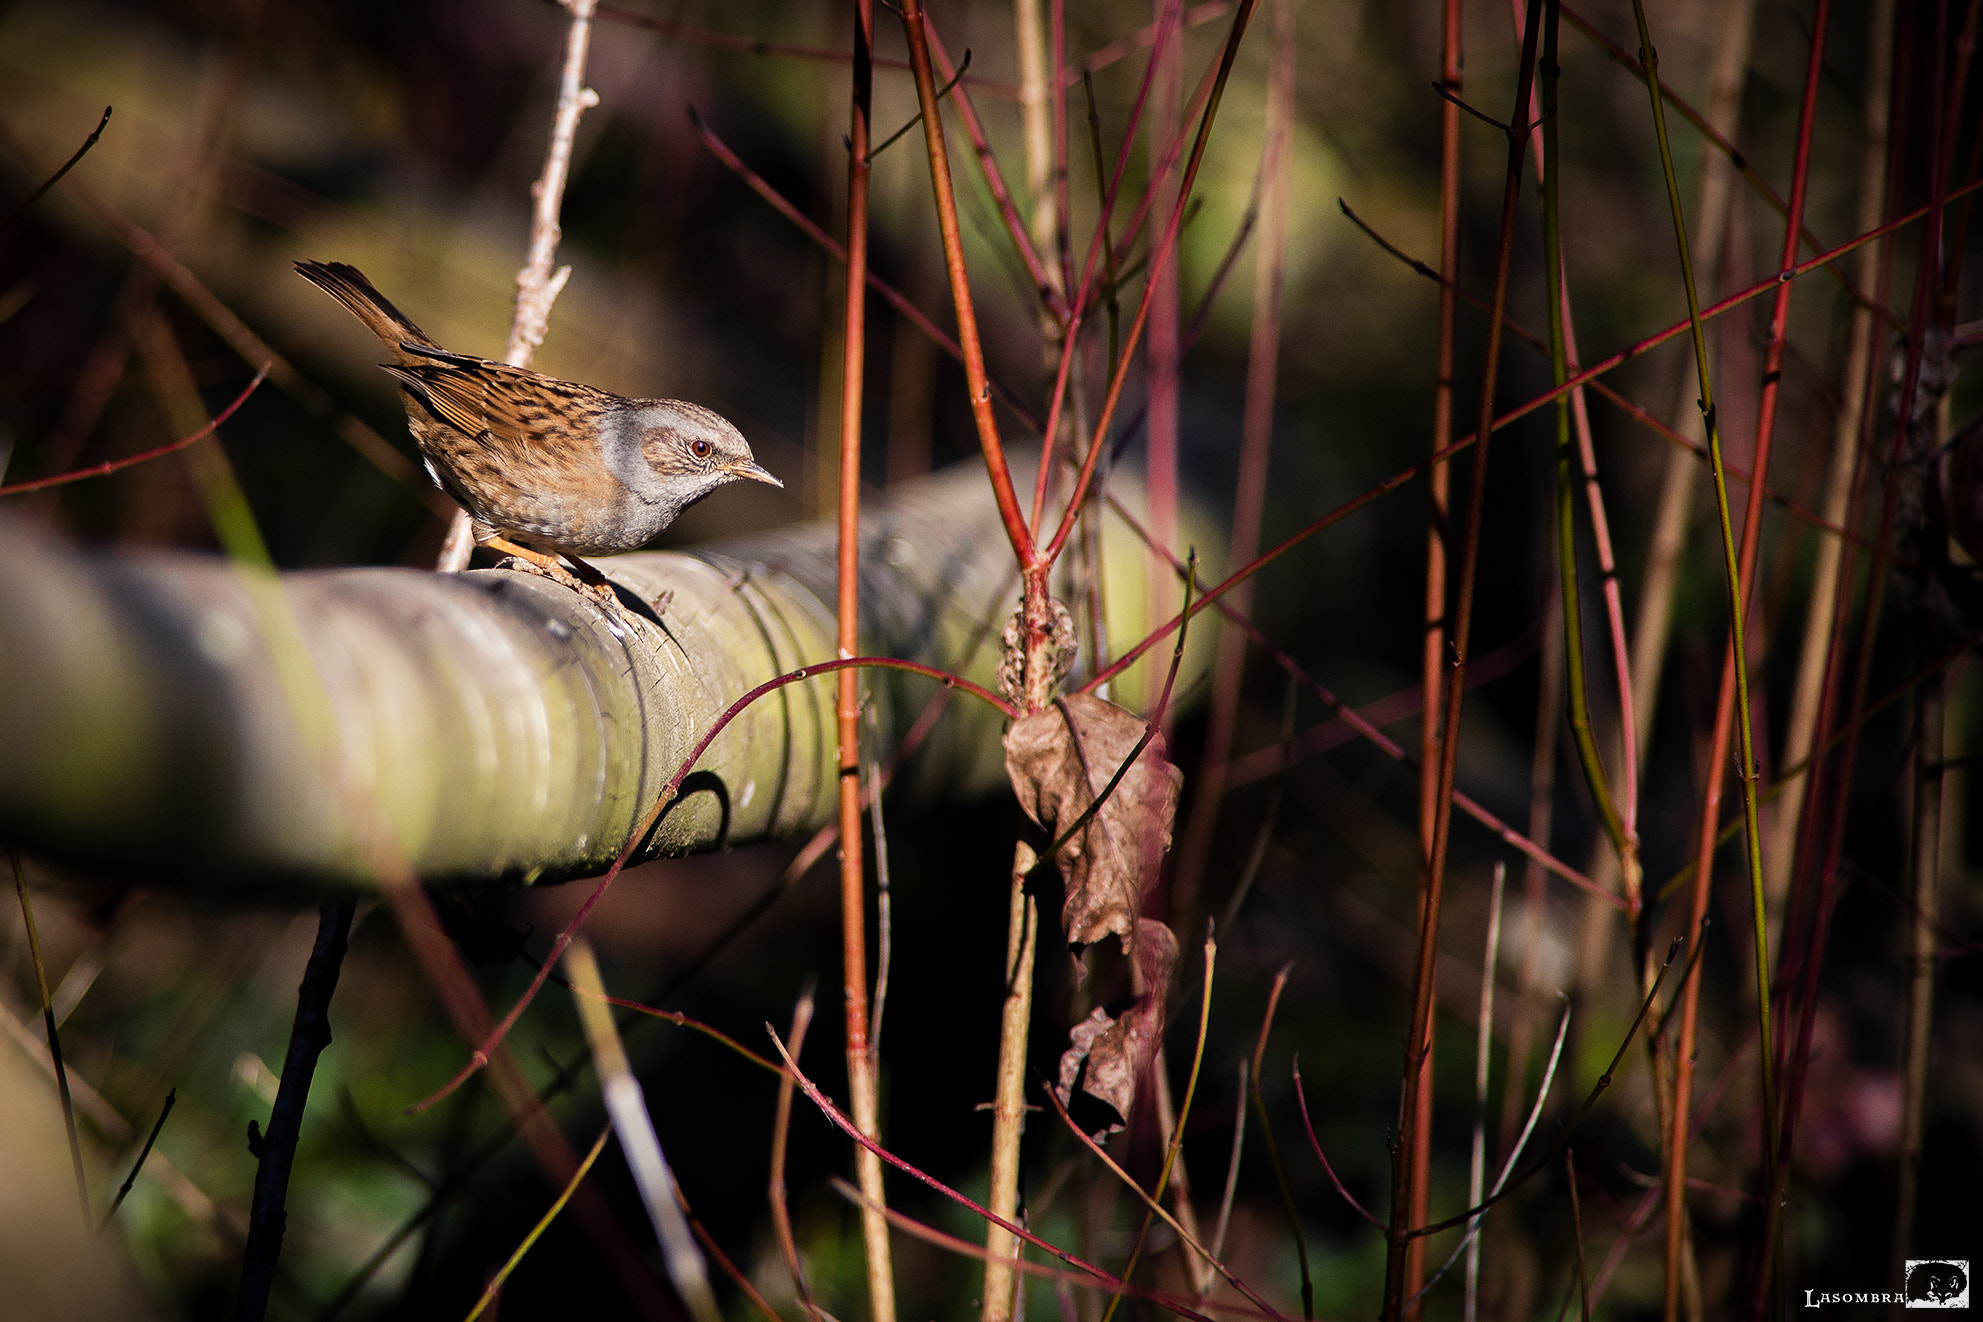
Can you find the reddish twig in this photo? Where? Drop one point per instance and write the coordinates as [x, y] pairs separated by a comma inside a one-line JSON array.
[[112, 466], [989, 442], [665, 800], [1409, 1165], [1608, 364], [1158, 251], [839, 1120], [862, 1067], [838, 251], [1301, 1101], [1635, 411]]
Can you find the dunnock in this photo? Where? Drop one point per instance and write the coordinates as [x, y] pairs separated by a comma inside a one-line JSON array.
[[546, 467]]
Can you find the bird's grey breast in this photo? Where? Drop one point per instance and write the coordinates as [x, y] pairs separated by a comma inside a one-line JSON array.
[[651, 504]]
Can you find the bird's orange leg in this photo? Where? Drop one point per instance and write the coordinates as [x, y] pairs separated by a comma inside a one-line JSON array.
[[581, 577]]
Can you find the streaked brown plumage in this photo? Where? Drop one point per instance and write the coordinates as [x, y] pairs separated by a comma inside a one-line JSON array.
[[550, 465]]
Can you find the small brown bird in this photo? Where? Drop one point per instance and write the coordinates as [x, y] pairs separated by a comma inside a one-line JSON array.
[[546, 467]]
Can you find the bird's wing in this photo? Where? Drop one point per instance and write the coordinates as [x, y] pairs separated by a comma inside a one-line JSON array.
[[500, 405]]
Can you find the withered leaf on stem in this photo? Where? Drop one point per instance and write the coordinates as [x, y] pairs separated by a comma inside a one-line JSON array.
[[1060, 759]]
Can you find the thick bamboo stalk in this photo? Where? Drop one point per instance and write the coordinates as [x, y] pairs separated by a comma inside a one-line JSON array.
[[507, 729]]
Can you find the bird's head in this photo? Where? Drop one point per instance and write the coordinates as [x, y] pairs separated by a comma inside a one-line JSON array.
[[692, 451]]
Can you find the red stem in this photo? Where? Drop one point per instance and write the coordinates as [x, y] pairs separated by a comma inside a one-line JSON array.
[[993, 447], [1397, 480], [662, 802], [896, 299], [112, 466], [861, 1063], [1405, 1173], [1163, 248], [1432, 648], [840, 1121]]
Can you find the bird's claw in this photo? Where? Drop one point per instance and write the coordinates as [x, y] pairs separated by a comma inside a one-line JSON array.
[[602, 592]]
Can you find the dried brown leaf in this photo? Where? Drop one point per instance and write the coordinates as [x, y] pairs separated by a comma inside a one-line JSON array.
[[1061, 759], [1108, 1054]]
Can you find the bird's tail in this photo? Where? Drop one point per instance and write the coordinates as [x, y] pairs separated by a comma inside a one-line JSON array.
[[348, 285]]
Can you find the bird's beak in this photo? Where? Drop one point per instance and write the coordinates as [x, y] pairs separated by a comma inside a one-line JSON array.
[[753, 472]]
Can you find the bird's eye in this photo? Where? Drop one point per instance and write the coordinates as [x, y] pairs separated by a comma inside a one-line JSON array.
[[700, 449]]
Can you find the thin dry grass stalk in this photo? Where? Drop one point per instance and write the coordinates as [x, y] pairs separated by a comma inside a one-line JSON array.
[[1733, 705], [495, 1286], [627, 1106], [1653, 623]]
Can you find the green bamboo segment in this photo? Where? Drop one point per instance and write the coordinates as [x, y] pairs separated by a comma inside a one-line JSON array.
[[506, 729]]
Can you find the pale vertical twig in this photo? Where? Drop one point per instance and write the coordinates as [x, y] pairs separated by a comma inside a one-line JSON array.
[[1036, 111], [626, 1105], [1924, 875], [1022, 936], [1483, 1051], [537, 284]]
